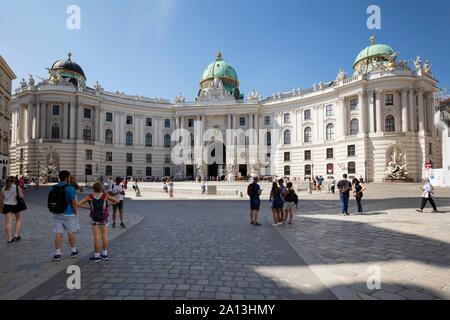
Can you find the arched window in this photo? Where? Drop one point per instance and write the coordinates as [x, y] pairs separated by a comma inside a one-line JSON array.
[[108, 136], [287, 137], [351, 167], [330, 131], [354, 127], [307, 135], [55, 131], [167, 141], [268, 139], [148, 140], [389, 123], [129, 138], [87, 134]]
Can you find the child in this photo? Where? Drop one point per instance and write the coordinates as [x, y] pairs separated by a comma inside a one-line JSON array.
[[99, 213]]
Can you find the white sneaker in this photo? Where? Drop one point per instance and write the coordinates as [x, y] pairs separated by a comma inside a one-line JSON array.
[[280, 223], [275, 224]]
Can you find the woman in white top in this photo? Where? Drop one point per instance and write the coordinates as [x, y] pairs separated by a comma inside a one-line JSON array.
[[8, 199]]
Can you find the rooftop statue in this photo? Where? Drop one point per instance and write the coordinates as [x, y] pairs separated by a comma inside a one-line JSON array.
[[418, 63]]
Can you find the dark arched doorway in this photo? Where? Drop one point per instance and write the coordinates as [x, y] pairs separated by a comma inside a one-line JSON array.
[[217, 168]]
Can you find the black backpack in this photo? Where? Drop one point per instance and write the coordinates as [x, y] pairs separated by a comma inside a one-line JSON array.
[[57, 201]]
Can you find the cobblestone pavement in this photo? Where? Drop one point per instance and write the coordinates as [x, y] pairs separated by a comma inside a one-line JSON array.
[[26, 264], [411, 250]]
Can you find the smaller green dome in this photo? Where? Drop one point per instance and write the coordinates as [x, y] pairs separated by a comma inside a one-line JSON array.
[[373, 50], [219, 69]]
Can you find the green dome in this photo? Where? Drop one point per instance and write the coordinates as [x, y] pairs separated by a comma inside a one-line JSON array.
[[219, 69], [373, 50]]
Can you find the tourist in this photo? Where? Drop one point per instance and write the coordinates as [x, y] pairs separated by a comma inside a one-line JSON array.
[[290, 202], [254, 192], [344, 187], [333, 185], [427, 195], [165, 187], [171, 188], [136, 188], [283, 191], [358, 190], [276, 204], [62, 203], [117, 191], [99, 213], [8, 199], [203, 187]]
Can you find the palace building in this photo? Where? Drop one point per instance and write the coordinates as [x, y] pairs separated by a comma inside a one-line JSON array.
[[376, 123]]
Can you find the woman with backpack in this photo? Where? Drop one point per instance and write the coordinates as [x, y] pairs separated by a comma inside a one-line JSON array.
[[99, 213], [290, 203], [9, 197], [277, 204], [358, 190]]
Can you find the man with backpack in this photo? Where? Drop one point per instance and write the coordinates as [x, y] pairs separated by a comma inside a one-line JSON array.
[[344, 187], [99, 214], [254, 191], [62, 203]]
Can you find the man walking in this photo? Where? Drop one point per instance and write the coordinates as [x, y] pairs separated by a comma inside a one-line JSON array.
[[117, 191], [63, 203], [254, 191], [344, 187]]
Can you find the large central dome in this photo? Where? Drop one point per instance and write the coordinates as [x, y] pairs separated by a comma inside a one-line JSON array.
[[219, 69]]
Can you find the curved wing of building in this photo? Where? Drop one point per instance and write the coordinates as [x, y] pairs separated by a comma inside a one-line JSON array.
[[376, 123]]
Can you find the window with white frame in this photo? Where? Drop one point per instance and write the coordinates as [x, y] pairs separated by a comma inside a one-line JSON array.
[[354, 127], [330, 131], [307, 135], [353, 104], [329, 110]]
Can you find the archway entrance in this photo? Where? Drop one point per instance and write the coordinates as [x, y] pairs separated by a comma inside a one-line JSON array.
[[217, 169]]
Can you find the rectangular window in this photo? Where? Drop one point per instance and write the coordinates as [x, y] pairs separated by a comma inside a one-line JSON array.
[[190, 123], [267, 120], [55, 110], [287, 156], [329, 110], [167, 171], [287, 170], [129, 120], [389, 99], [109, 117], [353, 104], [167, 158], [308, 170], [148, 158], [88, 154], [307, 154], [351, 167], [21, 154], [430, 150], [108, 157], [307, 115], [148, 122], [148, 171], [87, 113], [242, 121], [129, 157], [287, 118], [330, 153], [108, 171], [88, 170], [129, 171], [166, 123], [351, 150]]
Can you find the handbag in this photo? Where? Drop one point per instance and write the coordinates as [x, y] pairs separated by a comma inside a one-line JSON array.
[[21, 205]]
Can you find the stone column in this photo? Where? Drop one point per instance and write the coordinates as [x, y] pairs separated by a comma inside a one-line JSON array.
[[80, 122], [363, 112], [318, 123], [404, 108], [65, 127], [429, 112], [342, 119], [122, 128], [72, 122], [43, 121], [371, 111], [421, 110], [412, 111], [101, 129], [379, 111], [256, 128], [37, 128]]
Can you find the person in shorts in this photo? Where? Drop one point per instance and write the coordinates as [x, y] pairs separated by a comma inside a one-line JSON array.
[[68, 221], [117, 191], [8, 199], [254, 192], [290, 202], [99, 226]]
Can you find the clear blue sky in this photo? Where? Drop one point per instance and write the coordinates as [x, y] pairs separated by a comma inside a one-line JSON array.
[[158, 48]]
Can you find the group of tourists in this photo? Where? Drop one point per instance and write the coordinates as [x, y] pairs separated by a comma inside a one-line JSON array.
[[168, 187], [284, 200]]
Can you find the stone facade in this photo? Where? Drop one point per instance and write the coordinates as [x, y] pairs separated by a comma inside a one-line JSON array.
[[348, 125], [6, 77]]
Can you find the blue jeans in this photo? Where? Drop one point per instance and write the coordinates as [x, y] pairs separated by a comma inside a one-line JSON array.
[[343, 201]]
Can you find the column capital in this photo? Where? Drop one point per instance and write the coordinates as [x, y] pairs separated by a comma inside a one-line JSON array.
[[405, 90], [419, 90]]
